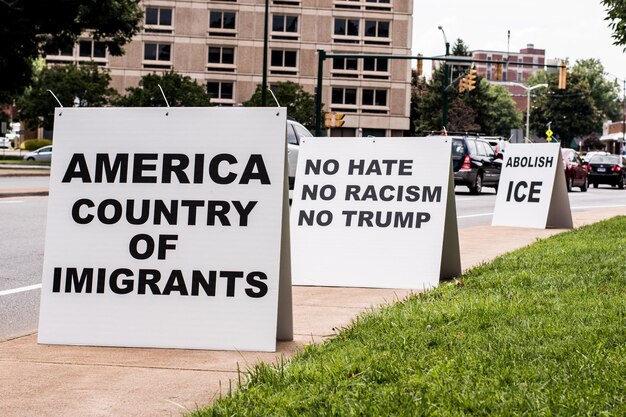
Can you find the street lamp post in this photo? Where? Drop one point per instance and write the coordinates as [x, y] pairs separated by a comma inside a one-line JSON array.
[[528, 90], [265, 47], [446, 80]]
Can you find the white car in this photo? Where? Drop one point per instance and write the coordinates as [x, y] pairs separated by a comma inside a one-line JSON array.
[[41, 154], [5, 142], [588, 155], [295, 131]]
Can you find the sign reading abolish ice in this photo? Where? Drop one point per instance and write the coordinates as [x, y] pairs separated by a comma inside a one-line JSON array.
[[374, 213], [164, 229], [532, 190]]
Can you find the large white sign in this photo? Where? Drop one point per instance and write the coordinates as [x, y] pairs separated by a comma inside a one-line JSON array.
[[374, 213], [532, 190], [165, 229]]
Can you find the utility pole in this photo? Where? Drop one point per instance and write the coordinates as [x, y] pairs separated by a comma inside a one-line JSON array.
[[446, 81]]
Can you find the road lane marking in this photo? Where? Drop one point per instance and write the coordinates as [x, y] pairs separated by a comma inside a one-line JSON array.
[[598, 207], [21, 289], [11, 201]]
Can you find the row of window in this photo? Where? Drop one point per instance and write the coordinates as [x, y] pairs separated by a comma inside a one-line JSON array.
[[283, 26], [350, 96]]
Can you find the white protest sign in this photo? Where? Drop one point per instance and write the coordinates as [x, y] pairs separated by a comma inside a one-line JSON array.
[[374, 213], [532, 191], [166, 228]]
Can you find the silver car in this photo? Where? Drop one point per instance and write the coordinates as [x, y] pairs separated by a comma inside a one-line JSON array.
[[41, 154], [295, 131]]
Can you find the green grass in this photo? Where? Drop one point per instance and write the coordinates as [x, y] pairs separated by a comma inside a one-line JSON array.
[[540, 331]]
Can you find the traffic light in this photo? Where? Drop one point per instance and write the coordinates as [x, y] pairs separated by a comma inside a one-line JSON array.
[[562, 77], [420, 65], [471, 79], [328, 119], [463, 84], [498, 75], [339, 122], [332, 119]]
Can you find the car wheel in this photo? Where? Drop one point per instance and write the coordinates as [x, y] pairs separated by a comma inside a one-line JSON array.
[[570, 184], [620, 184], [585, 185], [30, 158], [595, 185], [478, 185]]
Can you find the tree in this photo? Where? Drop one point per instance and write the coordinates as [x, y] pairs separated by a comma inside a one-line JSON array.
[[604, 93], [68, 82], [572, 111], [180, 91], [592, 142], [31, 28], [616, 15], [300, 104]]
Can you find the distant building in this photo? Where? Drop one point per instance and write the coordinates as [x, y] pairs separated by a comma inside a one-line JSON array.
[[219, 43]]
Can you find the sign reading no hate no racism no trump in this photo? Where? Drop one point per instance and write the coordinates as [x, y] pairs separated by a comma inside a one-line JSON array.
[[166, 228], [374, 213], [532, 190]]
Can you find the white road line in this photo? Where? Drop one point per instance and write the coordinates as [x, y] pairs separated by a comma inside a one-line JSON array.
[[11, 201], [474, 215], [21, 289]]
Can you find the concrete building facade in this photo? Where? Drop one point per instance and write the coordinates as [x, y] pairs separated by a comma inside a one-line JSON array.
[[219, 43]]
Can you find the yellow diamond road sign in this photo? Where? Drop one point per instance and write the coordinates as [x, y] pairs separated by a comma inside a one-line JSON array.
[[549, 132]]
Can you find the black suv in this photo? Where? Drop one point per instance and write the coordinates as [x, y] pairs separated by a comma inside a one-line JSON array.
[[475, 164]]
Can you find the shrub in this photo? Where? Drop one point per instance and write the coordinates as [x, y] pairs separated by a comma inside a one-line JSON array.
[[33, 144]]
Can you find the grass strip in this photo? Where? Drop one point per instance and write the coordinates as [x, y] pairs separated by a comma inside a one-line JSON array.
[[539, 331]]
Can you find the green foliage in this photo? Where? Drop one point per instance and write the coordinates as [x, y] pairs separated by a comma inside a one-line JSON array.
[[30, 28], [572, 111], [181, 91], [605, 93], [538, 332], [34, 144], [616, 15], [87, 82], [300, 104], [487, 109]]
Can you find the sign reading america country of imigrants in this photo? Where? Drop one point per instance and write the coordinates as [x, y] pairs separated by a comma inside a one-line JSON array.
[[165, 229]]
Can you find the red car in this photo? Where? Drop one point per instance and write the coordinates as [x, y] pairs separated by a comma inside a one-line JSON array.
[[576, 174]]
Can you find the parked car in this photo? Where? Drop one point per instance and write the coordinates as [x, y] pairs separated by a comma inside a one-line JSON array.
[[575, 171], [41, 154], [586, 157], [607, 169], [295, 132], [475, 164]]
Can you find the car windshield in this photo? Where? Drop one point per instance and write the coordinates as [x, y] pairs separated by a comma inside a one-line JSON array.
[[605, 159]]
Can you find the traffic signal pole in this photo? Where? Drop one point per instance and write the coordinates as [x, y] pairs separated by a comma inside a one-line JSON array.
[[444, 88], [322, 56]]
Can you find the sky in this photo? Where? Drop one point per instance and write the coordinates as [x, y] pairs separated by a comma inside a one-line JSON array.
[[573, 29]]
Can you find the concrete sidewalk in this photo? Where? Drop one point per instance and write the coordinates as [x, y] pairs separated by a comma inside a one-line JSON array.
[[24, 172], [47, 380]]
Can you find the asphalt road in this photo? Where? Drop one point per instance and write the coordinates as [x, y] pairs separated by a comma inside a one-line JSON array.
[[23, 228]]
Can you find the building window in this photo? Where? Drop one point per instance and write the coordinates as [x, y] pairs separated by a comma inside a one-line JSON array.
[[346, 30], [158, 19], [92, 49], [283, 62], [340, 95], [376, 68], [220, 91], [374, 97], [376, 29], [345, 64], [221, 58], [159, 53], [222, 23], [284, 23]]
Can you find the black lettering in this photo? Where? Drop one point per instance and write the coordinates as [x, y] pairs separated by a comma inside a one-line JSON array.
[[175, 164], [413, 193], [308, 218], [150, 278], [431, 194], [403, 220], [197, 280], [214, 168], [231, 276], [140, 165], [164, 245], [176, 282], [198, 169], [406, 167], [354, 166], [421, 218], [535, 190], [349, 214], [85, 280], [218, 209], [56, 279], [254, 279], [352, 192], [130, 212], [314, 166], [116, 215], [103, 165], [193, 208], [127, 284], [76, 211], [134, 244], [365, 217], [77, 168], [244, 212], [255, 170], [162, 211]]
